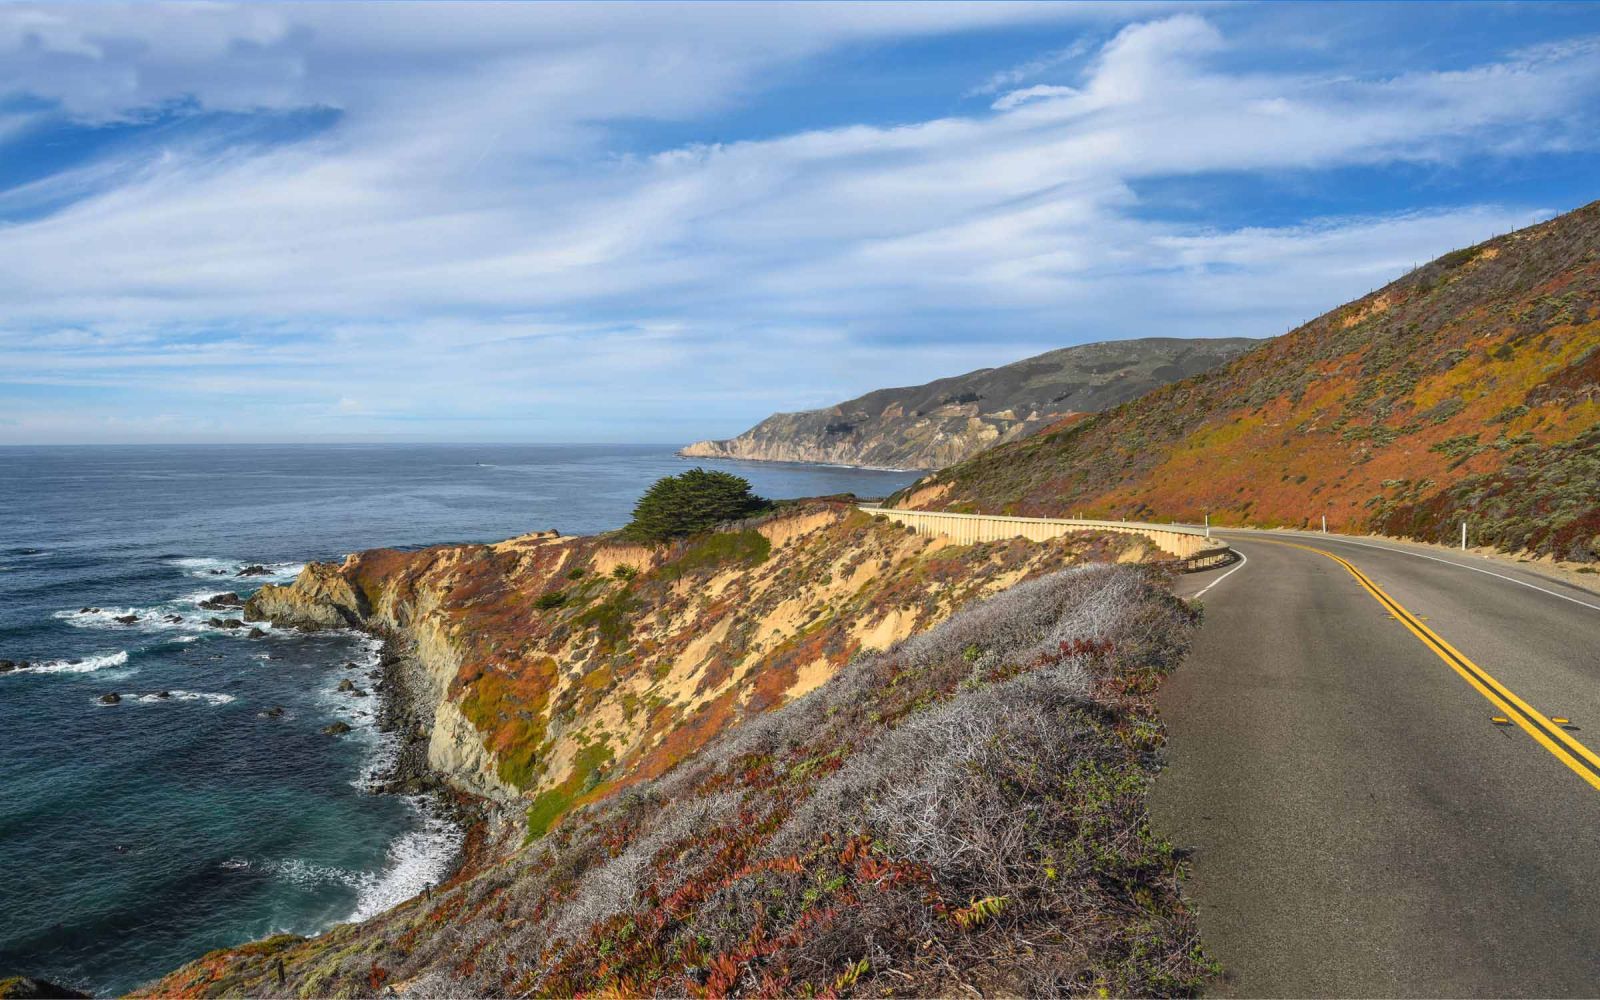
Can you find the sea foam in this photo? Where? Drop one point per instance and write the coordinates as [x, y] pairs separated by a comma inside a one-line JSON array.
[[88, 664]]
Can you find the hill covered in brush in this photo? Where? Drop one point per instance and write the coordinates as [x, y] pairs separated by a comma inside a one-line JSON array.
[[950, 419], [809, 753], [1467, 390]]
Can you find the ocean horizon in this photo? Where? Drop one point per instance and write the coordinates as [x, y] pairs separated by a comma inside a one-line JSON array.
[[207, 806]]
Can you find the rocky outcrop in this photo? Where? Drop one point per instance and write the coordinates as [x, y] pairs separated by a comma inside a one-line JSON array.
[[951, 419], [545, 705]]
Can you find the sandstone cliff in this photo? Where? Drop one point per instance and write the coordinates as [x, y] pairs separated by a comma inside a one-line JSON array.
[[959, 811], [551, 672], [951, 419]]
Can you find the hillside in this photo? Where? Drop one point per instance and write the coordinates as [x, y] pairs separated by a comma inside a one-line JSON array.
[[1468, 389], [950, 419], [938, 786]]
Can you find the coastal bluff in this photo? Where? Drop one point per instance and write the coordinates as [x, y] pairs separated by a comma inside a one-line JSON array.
[[546, 671], [951, 419]]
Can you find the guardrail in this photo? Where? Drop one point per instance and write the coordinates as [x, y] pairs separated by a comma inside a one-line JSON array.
[[1194, 546]]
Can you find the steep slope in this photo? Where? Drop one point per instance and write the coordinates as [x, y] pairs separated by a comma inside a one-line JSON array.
[[1467, 390], [549, 672], [961, 814], [950, 419]]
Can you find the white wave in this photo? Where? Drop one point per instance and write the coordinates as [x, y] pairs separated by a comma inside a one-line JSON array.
[[309, 876], [185, 618], [417, 860], [88, 664], [381, 759], [206, 696], [208, 568]]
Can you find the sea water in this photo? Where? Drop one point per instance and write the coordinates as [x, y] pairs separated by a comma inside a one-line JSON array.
[[137, 836]]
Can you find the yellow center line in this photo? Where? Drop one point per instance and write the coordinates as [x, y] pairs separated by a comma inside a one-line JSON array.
[[1583, 761]]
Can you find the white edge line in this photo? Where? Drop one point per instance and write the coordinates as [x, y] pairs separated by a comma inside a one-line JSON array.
[[1242, 560], [1447, 562]]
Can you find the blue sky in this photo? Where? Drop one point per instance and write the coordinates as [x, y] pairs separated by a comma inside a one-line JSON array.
[[318, 222]]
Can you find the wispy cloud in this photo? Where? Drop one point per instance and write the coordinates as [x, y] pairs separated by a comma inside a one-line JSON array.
[[477, 239]]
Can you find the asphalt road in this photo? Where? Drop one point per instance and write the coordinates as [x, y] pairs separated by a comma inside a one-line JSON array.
[[1359, 825]]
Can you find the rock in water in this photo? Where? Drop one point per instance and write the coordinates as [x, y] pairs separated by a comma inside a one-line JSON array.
[[221, 602], [274, 712], [110, 698], [347, 685], [256, 633], [253, 570], [126, 619], [337, 729], [24, 988]]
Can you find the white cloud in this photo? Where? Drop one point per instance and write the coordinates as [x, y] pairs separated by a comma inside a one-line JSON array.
[[466, 243]]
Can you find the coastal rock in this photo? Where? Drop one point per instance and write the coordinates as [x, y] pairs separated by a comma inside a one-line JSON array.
[[256, 633], [951, 419], [347, 685], [26, 988], [275, 712], [126, 619], [337, 729], [172, 619], [163, 695], [254, 570], [6, 666], [222, 602], [110, 698]]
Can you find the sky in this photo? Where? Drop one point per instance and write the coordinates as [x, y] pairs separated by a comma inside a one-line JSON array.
[[660, 223]]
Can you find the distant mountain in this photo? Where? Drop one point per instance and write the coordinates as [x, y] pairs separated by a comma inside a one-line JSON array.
[[951, 419], [1467, 390]]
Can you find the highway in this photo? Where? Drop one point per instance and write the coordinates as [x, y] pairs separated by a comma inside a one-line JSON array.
[[1359, 824]]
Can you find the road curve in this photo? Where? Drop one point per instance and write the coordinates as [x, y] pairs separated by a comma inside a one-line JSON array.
[[1359, 825]]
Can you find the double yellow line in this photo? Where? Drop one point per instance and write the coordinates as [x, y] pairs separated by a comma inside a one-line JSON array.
[[1549, 735]]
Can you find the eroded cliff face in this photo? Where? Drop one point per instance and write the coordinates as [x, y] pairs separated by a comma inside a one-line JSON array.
[[857, 841], [949, 420], [553, 671]]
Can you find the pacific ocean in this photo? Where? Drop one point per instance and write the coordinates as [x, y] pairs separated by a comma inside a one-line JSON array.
[[191, 814]]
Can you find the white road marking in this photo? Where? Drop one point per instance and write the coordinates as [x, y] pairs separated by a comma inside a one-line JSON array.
[[1242, 560], [1447, 562]]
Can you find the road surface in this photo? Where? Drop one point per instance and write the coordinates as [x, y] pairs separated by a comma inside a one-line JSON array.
[[1360, 826]]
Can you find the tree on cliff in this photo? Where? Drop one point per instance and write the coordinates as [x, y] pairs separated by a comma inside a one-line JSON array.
[[695, 500]]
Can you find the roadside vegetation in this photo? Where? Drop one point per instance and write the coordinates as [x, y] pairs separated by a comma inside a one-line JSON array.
[[1467, 390], [962, 812]]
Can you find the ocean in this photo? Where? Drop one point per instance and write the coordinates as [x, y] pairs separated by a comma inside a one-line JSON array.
[[194, 814]]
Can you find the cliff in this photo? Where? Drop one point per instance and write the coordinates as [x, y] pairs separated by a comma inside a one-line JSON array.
[[551, 672], [1467, 390], [960, 811], [951, 419]]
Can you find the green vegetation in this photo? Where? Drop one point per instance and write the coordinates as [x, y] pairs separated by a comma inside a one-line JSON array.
[[550, 599], [718, 548], [691, 502]]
